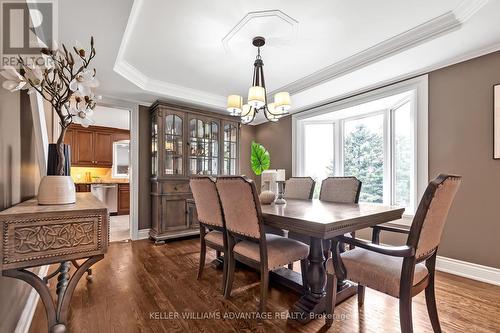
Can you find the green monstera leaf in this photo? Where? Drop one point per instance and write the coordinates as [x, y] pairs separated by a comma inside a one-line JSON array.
[[259, 158]]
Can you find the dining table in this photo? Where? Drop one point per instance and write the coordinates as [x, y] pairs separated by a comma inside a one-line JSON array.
[[321, 221]]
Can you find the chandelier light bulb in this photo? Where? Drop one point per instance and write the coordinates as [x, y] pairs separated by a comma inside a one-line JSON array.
[[282, 102], [234, 105], [257, 96]]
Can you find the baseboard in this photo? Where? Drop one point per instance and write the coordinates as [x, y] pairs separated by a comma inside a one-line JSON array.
[[24, 323], [468, 270], [143, 234]]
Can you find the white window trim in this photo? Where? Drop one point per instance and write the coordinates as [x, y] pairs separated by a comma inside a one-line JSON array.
[[420, 87]]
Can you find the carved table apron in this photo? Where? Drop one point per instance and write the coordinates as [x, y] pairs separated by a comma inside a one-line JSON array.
[[34, 235], [321, 221]]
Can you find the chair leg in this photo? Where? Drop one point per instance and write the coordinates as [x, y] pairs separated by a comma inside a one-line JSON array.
[[264, 286], [405, 317], [203, 251], [353, 235], [430, 300], [224, 273], [217, 254], [331, 298], [229, 273], [290, 266], [361, 295], [303, 272]]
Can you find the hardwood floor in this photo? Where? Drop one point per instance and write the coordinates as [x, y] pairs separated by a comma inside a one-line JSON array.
[[140, 287]]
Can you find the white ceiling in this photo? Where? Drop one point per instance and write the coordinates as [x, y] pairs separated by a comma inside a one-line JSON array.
[[200, 51]]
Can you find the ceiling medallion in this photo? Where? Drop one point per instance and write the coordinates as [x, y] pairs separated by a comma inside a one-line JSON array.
[[257, 96]]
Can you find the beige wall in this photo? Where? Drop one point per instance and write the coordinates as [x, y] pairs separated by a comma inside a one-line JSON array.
[[247, 135], [144, 168], [277, 139], [18, 181], [461, 142]]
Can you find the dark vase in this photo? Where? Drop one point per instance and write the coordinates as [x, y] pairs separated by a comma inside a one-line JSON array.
[[53, 160]]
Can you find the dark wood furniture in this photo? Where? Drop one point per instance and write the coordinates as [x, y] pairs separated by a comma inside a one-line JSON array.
[[398, 270], [93, 146], [247, 240], [82, 187], [34, 235], [186, 142], [123, 199], [320, 220]]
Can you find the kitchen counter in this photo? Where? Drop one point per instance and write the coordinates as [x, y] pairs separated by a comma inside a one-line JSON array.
[[111, 181]]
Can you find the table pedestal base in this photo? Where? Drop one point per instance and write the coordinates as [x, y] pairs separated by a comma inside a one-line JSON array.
[[57, 312]]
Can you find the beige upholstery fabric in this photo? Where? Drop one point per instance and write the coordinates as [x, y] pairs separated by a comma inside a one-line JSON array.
[[215, 237], [280, 250], [340, 189], [207, 201], [433, 225], [239, 206], [377, 271], [299, 188]]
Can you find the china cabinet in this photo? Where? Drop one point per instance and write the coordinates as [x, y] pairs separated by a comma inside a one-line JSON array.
[[186, 142]]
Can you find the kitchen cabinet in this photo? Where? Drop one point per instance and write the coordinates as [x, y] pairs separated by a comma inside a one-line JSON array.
[[93, 146], [82, 187], [123, 199], [186, 142]]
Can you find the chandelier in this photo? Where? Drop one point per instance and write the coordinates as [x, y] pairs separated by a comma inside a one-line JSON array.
[[257, 95]]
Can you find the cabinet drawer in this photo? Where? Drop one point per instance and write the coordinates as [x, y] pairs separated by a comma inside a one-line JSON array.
[[176, 187]]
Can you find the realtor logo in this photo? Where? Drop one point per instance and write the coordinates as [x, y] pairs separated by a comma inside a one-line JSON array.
[[27, 27]]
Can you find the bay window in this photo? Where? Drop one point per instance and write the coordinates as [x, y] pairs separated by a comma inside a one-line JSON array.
[[381, 139]]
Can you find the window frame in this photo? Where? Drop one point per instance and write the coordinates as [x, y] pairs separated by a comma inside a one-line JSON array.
[[418, 116]]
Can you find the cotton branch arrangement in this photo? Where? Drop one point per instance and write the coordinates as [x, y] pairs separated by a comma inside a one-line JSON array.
[[65, 81]]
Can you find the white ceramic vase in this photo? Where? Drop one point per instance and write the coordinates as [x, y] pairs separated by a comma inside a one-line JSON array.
[[56, 190]]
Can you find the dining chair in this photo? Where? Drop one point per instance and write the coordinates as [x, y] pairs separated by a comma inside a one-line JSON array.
[[301, 188], [340, 189], [211, 221], [247, 241], [399, 271]]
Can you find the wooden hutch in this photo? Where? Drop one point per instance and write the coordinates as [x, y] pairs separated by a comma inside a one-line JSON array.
[[186, 142]]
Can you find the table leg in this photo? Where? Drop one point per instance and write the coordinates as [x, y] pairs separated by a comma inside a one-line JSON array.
[[57, 315], [313, 301]]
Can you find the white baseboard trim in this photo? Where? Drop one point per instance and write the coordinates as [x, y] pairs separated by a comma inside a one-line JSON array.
[[143, 234], [24, 323], [468, 270]]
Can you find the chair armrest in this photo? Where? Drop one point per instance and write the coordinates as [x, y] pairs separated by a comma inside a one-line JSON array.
[[395, 251], [400, 230], [378, 228]]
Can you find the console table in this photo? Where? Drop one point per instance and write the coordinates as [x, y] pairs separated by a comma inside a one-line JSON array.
[[34, 235]]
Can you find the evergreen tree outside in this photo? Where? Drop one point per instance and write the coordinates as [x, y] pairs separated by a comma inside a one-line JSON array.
[[364, 159]]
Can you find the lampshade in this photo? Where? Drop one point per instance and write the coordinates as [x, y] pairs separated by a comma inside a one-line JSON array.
[[272, 115], [256, 96], [247, 114], [234, 104], [282, 102]]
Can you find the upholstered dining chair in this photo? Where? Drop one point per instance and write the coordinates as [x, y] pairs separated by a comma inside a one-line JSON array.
[[340, 190], [301, 188], [399, 271], [247, 241], [211, 221]]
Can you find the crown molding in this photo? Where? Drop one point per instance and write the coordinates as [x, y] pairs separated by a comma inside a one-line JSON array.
[[424, 32], [276, 13], [169, 90], [427, 31]]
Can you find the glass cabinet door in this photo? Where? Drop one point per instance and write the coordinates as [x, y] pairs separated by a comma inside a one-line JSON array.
[[204, 147], [154, 145], [173, 145], [230, 149]]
